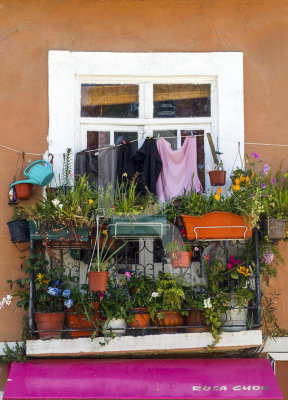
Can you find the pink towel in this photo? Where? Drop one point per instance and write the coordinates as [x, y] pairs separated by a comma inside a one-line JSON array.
[[178, 169]]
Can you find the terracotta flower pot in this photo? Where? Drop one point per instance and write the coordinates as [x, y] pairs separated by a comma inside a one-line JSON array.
[[141, 318], [217, 178], [98, 281], [180, 259], [23, 190], [47, 323], [194, 320], [170, 318], [217, 225], [79, 321]]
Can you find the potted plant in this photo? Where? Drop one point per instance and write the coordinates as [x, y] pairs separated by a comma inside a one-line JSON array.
[[66, 217], [117, 306], [98, 268], [132, 215], [275, 210], [166, 303], [19, 226], [231, 280], [180, 253], [195, 301], [218, 175], [51, 294], [140, 288], [83, 317]]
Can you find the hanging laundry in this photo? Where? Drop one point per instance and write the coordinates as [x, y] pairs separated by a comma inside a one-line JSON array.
[[148, 164], [100, 168], [125, 163], [179, 168]]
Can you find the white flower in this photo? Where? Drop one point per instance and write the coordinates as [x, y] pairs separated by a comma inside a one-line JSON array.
[[61, 206], [56, 202], [6, 300], [155, 294], [207, 303]]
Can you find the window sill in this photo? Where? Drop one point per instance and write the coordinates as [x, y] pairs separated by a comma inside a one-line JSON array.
[[150, 344]]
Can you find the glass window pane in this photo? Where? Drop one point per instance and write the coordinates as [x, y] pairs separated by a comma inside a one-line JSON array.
[[179, 101], [126, 136], [97, 139], [200, 153], [109, 101], [170, 136]]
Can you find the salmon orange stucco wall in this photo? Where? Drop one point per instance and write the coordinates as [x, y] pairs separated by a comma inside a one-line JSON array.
[[30, 28]]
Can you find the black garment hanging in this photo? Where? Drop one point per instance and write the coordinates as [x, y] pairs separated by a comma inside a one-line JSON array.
[[148, 163], [125, 163]]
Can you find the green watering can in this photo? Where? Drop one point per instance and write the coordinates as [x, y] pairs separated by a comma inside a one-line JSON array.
[[38, 175]]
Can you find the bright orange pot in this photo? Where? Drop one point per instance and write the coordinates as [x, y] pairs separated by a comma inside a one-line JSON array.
[[141, 319], [170, 319], [217, 225], [79, 321], [180, 259]]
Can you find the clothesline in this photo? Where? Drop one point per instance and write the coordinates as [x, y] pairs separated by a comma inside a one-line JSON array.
[[168, 137], [136, 140]]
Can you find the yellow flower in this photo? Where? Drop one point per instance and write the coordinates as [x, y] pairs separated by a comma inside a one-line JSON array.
[[247, 179], [125, 174], [40, 276], [219, 190], [243, 270], [252, 174], [237, 182], [236, 188], [217, 197], [242, 178], [90, 202], [105, 232]]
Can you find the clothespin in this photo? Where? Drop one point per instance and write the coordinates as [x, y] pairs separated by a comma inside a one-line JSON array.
[[124, 141], [158, 136], [191, 133], [149, 137]]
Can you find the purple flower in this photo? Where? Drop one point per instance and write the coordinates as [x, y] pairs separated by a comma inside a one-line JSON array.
[[273, 180], [264, 194], [255, 155], [265, 169], [263, 185], [252, 194]]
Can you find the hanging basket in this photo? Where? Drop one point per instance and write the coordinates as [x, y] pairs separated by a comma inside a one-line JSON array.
[[217, 178], [217, 225], [98, 280], [23, 191], [275, 228], [19, 231]]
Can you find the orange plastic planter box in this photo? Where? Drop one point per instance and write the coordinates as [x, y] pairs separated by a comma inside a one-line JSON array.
[[217, 225]]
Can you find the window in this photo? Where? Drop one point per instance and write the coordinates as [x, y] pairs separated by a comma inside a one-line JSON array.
[[97, 99]]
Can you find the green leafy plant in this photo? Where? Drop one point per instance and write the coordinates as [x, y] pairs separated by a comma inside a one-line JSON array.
[[51, 286], [168, 296]]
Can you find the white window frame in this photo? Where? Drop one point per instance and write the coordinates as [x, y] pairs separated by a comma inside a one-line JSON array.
[[224, 71]]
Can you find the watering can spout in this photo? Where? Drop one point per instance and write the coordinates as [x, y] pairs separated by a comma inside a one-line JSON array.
[[37, 174]]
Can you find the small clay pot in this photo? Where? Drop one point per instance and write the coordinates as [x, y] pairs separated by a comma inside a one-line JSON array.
[[97, 281]]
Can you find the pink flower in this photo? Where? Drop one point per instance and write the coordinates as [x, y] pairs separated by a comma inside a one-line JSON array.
[[181, 243], [232, 262], [101, 295], [207, 257], [127, 274], [255, 155], [273, 180], [196, 248]]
